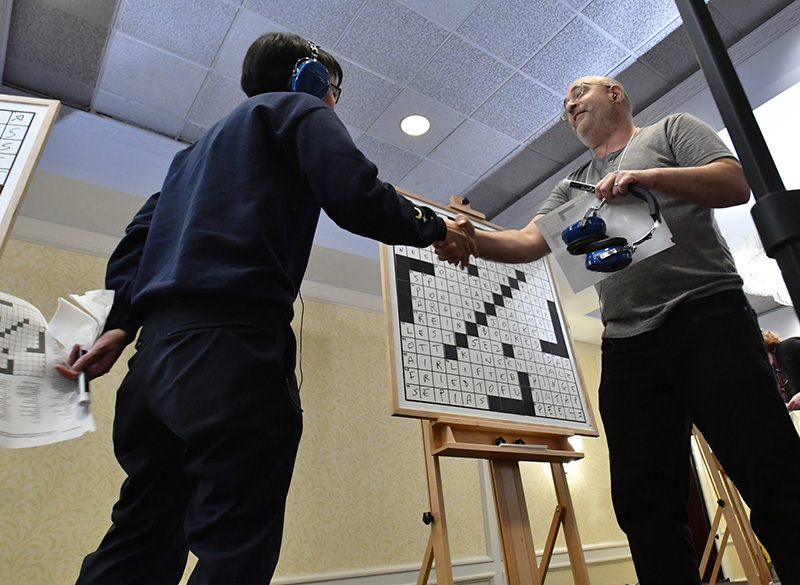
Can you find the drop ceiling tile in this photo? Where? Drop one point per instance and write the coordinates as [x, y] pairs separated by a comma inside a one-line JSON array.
[[443, 121], [520, 171], [47, 82], [193, 29], [218, 97], [99, 12], [673, 57], [671, 53], [191, 132], [745, 15], [247, 27], [632, 22], [729, 33], [364, 95], [641, 83], [473, 148], [448, 13], [488, 199], [558, 143], [435, 182], [519, 108], [151, 77], [515, 29], [56, 40], [577, 4], [578, 50], [391, 40], [354, 132], [393, 163], [137, 114], [450, 76], [322, 21]]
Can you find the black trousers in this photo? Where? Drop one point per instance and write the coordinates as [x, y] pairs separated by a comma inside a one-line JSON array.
[[706, 365], [207, 426]]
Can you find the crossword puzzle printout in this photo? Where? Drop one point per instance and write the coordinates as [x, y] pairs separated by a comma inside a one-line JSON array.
[[37, 405], [486, 342]]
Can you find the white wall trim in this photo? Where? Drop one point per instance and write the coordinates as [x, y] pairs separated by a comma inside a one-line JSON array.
[[465, 571]]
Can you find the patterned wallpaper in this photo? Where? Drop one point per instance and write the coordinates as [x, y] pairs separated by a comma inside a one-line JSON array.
[[359, 488], [55, 500]]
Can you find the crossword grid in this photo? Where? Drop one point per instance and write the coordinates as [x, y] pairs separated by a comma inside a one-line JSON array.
[[485, 339], [22, 344]]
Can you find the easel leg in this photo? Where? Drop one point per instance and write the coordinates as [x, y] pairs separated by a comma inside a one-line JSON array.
[[427, 563], [438, 544], [515, 527], [574, 547], [737, 523]]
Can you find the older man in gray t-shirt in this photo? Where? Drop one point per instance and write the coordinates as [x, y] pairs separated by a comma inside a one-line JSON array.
[[681, 344], [639, 298]]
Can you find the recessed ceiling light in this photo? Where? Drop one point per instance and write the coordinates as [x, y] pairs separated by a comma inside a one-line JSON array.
[[415, 125]]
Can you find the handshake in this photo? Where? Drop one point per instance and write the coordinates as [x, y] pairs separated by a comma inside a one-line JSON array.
[[459, 244]]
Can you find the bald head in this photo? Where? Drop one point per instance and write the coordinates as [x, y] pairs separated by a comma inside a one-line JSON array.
[[606, 81]]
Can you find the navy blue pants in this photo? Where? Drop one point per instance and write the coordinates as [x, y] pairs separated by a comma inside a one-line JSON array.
[[705, 365], [207, 427]]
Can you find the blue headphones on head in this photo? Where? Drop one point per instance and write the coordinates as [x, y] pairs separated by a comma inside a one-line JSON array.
[[588, 236], [311, 76]]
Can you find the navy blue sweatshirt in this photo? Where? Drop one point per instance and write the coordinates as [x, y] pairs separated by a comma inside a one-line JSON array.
[[236, 216]]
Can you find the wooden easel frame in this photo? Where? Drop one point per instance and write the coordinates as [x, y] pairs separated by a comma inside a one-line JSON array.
[[737, 525], [477, 437], [27, 146], [457, 438]]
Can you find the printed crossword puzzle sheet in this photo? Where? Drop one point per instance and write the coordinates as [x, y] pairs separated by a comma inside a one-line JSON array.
[[22, 346], [486, 342]]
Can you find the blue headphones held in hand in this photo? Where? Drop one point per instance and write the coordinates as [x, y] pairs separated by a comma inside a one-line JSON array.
[[311, 76], [588, 236]]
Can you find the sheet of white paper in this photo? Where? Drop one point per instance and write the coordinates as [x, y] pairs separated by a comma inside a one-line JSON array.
[[628, 218], [37, 405], [70, 325], [95, 302]]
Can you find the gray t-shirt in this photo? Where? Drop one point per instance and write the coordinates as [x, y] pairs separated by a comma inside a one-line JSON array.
[[639, 297]]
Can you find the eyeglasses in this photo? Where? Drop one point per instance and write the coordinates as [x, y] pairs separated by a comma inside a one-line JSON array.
[[337, 91], [575, 95]]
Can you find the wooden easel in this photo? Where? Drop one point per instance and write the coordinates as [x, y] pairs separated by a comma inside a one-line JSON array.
[[458, 438], [737, 525], [461, 205]]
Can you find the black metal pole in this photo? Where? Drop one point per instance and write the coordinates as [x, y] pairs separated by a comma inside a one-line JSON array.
[[776, 212]]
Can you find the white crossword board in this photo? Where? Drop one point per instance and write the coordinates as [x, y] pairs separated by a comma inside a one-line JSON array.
[[486, 342], [25, 124]]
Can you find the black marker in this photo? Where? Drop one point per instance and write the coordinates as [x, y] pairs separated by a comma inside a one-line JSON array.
[[578, 185], [83, 385]]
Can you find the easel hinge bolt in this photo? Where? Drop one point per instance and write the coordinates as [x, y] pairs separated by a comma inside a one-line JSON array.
[[427, 518]]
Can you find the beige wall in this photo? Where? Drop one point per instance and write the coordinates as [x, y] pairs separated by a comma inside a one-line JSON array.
[[358, 493]]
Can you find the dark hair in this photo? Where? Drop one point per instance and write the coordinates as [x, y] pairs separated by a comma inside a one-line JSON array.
[[270, 61]]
